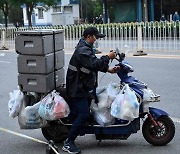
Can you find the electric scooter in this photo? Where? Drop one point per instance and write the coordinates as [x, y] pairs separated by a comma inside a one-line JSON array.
[[158, 128]]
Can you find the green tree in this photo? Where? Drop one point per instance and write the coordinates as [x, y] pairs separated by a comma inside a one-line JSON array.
[[86, 10], [5, 7], [111, 13], [90, 9], [98, 8], [31, 4], [16, 15]]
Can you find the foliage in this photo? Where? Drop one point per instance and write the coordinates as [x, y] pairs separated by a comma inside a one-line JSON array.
[[35, 2], [16, 15], [98, 8], [86, 10], [1, 17], [90, 9], [111, 11], [30, 4], [5, 7]]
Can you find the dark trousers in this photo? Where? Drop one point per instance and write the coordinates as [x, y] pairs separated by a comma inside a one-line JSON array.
[[79, 115]]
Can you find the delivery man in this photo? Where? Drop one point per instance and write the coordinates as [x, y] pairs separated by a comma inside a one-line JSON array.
[[81, 79]]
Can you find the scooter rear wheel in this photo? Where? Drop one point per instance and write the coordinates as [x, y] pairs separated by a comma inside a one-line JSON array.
[[156, 137], [56, 132]]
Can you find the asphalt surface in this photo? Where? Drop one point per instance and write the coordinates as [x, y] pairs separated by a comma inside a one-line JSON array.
[[159, 70]]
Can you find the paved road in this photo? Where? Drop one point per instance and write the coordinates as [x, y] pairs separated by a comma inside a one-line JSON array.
[[159, 70], [166, 44]]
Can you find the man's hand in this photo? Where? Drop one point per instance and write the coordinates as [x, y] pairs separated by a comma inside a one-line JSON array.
[[114, 69], [112, 54]]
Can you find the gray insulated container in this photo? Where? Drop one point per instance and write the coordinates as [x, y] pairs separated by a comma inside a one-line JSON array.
[[41, 83], [40, 64], [34, 45], [59, 41], [39, 42]]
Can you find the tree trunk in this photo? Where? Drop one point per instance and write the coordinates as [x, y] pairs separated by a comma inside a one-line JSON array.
[[29, 9], [5, 20], [5, 10]]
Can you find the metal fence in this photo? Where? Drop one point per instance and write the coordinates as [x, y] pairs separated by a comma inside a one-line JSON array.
[[162, 36]]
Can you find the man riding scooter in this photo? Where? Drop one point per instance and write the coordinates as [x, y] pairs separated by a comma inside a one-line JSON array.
[[81, 79]]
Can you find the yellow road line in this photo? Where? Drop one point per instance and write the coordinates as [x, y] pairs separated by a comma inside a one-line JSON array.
[[27, 137]]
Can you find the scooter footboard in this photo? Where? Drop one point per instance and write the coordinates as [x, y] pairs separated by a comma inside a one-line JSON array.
[[130, 128], [156, 113]]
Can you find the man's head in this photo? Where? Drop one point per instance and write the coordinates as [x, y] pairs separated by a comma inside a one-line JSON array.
[[91, 34]]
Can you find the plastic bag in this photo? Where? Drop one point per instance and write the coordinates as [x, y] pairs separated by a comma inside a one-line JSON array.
[[148, 95], [113, 90], [102, 116], [53, 107], [106, 98], [29, 118], [125, 106], [14, 103]]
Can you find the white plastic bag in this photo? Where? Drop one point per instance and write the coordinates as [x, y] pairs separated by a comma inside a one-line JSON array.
[[148, 95], [29, 118], [102, 116], [14, 103], [113, 90], [117, 106], [125, 106], [103, 101], [53, 107], [106, 98]]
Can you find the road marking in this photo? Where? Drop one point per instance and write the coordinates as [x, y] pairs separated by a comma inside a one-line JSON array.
[[2, 54], [30, 138], [7, 62], [177, 120], [159, 56], [147, 56]]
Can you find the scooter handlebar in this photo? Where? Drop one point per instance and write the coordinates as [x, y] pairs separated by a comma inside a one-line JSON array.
[[119, 56]]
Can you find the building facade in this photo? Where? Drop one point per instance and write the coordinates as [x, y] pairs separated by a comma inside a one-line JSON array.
[[66, 12], [140, 10]]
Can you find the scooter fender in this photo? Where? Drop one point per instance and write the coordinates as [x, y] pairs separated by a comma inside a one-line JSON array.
[[156, 113]]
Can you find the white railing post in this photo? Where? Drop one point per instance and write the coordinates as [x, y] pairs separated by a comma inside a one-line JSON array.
[[80, 31], [140, 38], [179, 28], [76, 32], [175, 35], [140, 48], [129, 34], [156, 36], [3, 37]]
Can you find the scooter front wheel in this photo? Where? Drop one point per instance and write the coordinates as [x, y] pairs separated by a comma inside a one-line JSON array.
[[163, 135], [56, 132]]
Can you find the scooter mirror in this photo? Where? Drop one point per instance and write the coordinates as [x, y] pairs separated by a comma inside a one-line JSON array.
[[117, 51]]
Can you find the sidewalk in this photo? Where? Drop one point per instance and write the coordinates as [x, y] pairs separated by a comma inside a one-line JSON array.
[[107, 45], [152, 54]]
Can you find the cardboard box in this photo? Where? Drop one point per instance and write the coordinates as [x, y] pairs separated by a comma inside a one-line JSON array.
[[40, 64], [41, 83]]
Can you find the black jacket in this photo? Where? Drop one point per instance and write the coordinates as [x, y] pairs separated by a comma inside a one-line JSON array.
[[83, 57]]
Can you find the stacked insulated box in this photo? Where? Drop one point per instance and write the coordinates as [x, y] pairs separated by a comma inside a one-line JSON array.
[[40, 60]]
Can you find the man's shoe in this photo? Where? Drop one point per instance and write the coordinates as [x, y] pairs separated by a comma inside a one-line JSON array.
[[70, 147]]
